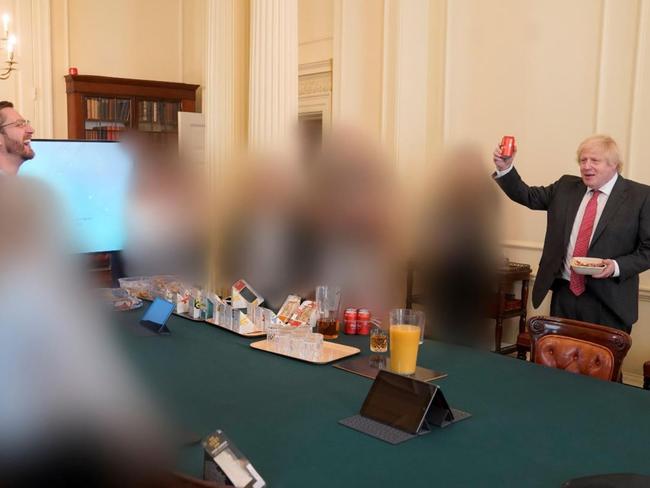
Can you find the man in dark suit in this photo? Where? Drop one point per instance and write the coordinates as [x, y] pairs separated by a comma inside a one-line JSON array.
[[599, 214]]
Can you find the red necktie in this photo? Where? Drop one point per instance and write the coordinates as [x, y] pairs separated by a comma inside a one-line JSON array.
[[577, 282]]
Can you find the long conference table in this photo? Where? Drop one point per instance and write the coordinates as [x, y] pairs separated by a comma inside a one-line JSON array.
[[531, 425]]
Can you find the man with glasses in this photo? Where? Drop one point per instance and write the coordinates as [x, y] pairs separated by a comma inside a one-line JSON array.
[[15, 139]]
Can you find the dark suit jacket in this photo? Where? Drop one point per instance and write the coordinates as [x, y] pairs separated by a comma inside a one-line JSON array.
[[622, 234]]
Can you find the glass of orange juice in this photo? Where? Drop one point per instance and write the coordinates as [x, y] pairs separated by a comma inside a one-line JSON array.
[[405, 330]]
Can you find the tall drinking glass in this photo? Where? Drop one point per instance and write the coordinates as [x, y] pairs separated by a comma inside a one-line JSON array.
[[328, 299], [405, 331]]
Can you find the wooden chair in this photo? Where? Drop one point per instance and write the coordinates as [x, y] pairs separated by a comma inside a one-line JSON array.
[[578, 347], [506, 306]]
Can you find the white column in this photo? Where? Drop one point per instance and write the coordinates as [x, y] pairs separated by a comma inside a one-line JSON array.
[[226, 82], [412, 105], [357, 70], [30, 86], [225, 92], [273, 101]]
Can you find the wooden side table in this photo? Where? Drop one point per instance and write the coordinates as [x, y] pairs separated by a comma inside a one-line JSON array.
[[506, 305]]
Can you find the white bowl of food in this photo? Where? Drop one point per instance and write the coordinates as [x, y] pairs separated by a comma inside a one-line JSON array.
[[587, 266]]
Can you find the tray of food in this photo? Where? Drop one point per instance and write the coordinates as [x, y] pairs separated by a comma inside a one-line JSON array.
[[587, 266], [118, 299], [254, 333], [166, 286], [138, 286], [330, 351]]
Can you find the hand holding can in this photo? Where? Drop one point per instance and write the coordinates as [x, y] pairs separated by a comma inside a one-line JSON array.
[[507, 146], [504, 153]]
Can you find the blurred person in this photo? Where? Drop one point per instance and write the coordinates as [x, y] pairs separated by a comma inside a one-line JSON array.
[[166, 216], [264, 234], [352, 207], [457, 256], [71, 414], [599, 214], [322, 218], [15, 139]]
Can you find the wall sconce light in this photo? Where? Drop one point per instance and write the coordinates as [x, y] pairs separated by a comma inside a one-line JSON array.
[[7, 43]]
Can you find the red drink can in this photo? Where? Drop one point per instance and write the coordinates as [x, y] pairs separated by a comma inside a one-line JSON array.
[[507, 146], [363, 321], [350, 319]]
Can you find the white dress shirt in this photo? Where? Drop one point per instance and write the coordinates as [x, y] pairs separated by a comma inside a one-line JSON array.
[[605, 191]]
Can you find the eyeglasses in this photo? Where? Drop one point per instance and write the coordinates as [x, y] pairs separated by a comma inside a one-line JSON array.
[[20, 123]]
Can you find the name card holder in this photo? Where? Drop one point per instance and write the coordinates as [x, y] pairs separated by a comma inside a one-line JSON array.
[[224, 463]]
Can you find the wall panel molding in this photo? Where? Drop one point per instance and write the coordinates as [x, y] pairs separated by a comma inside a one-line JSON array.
[[30, 86], [617, 71], [42, 59], [315, 67], [601, 65], [314, 41], [181, 46], [518, 244], [639, 111]]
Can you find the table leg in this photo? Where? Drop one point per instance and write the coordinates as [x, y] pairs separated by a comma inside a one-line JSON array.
[[498, 333], [521, 351]]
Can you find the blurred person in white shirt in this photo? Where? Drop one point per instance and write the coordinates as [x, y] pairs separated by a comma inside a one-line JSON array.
[[71, 412]]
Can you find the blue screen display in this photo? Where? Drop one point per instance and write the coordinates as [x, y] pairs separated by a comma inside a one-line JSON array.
[[91, 179]]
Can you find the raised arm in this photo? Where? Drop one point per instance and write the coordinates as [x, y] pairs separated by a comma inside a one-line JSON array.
[[506, 176]]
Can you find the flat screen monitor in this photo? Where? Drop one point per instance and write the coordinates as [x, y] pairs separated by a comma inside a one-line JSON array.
[[91, 179]]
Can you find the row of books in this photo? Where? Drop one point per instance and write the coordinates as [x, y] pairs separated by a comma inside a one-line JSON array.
[[108, 109], [164, 113], [105, 133], [157, 127]]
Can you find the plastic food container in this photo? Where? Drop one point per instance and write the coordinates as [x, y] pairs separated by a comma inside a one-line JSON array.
[[138, 286]]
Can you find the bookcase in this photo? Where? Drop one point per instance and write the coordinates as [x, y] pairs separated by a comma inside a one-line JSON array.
[[101, 108]]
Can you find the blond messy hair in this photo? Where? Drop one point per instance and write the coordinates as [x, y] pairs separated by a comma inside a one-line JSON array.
[[608, 146]]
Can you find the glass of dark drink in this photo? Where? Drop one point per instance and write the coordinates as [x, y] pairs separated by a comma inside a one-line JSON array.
[[378, 339], [328, 299]]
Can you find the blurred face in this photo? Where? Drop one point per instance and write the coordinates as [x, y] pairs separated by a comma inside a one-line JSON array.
[[595, 169], [15, 140]]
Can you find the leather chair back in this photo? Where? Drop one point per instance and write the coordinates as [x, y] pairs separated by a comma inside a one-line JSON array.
[[578, 347]]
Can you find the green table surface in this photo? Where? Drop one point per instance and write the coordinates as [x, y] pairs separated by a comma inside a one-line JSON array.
[[531, 426]]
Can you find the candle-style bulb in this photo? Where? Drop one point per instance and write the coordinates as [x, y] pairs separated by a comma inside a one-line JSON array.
[[11, 46], [5, 24]]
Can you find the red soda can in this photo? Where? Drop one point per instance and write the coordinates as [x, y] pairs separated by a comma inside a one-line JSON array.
[[507, 146], [363, 321], [350, 319]]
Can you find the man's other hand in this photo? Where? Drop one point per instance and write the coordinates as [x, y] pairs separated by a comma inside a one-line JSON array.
[[610, 267], [503, 163]]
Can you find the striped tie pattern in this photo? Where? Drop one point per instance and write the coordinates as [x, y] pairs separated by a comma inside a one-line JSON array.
[[577, 282]]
